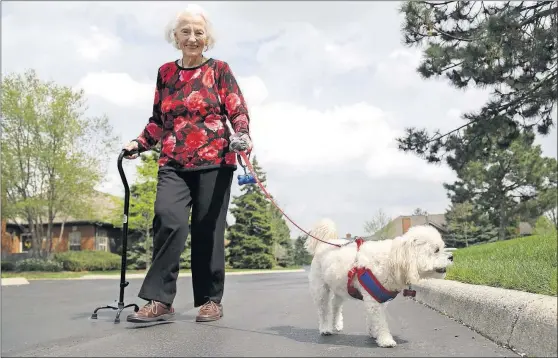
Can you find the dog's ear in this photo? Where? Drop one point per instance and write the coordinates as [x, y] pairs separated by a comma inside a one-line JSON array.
[[404, 260]]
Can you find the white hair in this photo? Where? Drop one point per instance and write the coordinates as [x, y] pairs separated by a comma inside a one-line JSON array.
[[195, 11]]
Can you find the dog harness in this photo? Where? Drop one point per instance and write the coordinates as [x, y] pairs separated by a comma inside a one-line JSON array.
[[370, 283]]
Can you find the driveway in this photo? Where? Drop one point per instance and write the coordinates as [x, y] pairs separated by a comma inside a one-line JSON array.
[[266, 315]]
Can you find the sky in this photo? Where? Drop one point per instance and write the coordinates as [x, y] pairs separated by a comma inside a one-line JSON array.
[[329, 86]]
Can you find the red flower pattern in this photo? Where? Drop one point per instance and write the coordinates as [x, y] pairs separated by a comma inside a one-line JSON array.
[[167, 71], [208, 79], [196, 139], [213, 122], [208, 153], [194, 135]]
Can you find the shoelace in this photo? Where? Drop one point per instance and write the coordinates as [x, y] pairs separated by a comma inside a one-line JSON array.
[[150, 307], [209, 307]]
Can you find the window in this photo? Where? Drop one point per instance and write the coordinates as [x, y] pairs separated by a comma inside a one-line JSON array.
[[75, 241], [101, 240], [25, 243]]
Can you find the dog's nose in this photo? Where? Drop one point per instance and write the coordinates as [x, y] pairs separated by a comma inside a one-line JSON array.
[[451, 258]]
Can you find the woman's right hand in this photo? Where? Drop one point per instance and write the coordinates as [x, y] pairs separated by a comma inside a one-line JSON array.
[[132, 147]]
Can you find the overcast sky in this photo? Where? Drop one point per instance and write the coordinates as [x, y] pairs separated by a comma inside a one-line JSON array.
[[329, 86]]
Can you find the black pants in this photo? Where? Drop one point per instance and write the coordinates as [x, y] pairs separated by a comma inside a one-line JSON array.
[[207, 193]]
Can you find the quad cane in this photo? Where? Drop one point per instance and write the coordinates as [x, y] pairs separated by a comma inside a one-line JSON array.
[[123, 284]]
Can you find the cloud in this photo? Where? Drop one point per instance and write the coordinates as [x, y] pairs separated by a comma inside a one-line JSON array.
[[288, 133], [301, 138], [254, 90], [118, 88], [96, 44]]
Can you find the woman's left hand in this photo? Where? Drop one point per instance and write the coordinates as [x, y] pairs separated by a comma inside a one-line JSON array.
[[240, 142]]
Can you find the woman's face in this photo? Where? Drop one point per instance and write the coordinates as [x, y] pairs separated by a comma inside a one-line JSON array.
[[191, 36]]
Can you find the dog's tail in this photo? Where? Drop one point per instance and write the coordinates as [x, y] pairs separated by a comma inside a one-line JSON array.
[[325, 229]]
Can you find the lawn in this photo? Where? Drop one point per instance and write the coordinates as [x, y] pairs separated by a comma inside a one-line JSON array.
[[68, 275], [528, 264]]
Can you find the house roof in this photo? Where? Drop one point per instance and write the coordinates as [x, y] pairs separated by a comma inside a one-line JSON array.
[[104, 206]]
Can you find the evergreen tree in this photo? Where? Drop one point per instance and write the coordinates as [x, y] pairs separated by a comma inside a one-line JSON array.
[[508, 46], [509, 185], [467, 226], [301, 256], [251, 239], [142, 202], [282, 244]]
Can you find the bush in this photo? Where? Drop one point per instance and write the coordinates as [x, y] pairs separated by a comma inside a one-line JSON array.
[[88, 261], [7, 266], [38, 265], [544, 227]]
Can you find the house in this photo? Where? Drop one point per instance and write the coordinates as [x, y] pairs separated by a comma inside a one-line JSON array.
[[90, 232], [400, 225]]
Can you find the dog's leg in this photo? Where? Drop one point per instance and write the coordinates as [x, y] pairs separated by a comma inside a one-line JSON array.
[[376, 323], [337, 311], [321, 294]]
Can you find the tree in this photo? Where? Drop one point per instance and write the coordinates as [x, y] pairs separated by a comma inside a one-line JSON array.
[[251, 238], [380, 226], [420, 212], [301, 257], [142, 210], [459, 220], [544, 227], [552, 216], [510, 47], [468, 226], [282, 244], [52, 155], [508, 185]]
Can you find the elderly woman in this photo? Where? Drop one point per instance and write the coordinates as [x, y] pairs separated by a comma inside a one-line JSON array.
[[194, 98]]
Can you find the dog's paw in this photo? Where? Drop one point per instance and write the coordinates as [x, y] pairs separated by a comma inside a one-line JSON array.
[[326, 330], [386, 341], [339, 325]]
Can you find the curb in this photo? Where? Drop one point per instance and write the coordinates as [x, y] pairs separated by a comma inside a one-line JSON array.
[[524, 322], [14, 281], [181, 275]]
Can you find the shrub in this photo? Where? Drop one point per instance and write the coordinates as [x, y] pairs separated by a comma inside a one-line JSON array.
[[88, 261], [38, 265], [544, 227], [7, 266]]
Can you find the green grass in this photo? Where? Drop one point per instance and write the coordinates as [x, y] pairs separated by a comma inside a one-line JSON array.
[[69, 275], [527, 264]]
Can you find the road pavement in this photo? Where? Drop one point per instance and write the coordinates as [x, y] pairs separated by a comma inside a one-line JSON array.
[[265, 315]]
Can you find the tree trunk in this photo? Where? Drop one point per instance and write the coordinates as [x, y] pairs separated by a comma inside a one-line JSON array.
[[61, 232], [35, 241], [502, 224], [49, 231]]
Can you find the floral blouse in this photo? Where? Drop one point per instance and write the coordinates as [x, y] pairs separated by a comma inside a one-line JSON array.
[[189, 113]]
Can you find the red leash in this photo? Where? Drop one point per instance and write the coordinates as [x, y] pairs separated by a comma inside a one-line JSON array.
[[268, 196]]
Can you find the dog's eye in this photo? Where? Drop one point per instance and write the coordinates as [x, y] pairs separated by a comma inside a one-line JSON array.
[[437, 250]]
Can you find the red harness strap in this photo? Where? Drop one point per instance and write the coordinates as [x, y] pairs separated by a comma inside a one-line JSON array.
[[350, 288], [369, 282]]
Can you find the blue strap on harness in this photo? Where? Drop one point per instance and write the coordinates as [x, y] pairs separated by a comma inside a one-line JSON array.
[[373, 287]]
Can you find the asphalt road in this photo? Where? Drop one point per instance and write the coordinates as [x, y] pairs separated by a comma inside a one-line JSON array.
[[268, 315]]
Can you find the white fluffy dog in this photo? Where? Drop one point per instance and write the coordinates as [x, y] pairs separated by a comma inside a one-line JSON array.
[[396, 263]]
